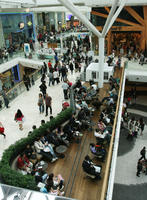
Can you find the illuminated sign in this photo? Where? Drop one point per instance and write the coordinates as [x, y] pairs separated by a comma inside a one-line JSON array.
[[29, 23]]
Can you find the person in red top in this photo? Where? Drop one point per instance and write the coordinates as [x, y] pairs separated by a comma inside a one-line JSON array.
[[20, 162], [49, 64], [19, 118], [23, 163], [2, 130]]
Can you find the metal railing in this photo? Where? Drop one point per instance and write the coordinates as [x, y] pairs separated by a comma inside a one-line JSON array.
[[20, 194]]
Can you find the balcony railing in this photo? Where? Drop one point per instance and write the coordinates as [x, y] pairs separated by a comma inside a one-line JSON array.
[[108, 183], [18, 89]]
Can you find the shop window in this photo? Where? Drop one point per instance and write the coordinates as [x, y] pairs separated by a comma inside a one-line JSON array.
[[106, 75], [93, 75]]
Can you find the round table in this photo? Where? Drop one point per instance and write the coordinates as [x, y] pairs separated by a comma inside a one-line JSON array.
[[61, 149], [43, 165]]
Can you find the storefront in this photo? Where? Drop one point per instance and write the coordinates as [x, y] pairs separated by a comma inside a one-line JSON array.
[[17, 28]]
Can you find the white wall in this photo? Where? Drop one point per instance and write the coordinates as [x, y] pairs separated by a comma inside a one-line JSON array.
[[25, 62], [136, 75]]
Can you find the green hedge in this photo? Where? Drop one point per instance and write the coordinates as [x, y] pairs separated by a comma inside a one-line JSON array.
[[13, 177]]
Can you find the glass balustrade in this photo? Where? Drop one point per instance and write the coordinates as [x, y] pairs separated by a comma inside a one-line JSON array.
[[18, 89]]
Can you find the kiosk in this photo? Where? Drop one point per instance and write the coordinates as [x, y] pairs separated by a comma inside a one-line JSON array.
[[92, 72]]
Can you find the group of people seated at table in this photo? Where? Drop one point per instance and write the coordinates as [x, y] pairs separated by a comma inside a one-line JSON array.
[[85, 93], [45, 146], [103, 131], [49, 183], [28, 163]]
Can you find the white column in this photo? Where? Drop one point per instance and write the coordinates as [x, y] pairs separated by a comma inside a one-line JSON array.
[[35, 21], [56, 21], [61, 42], [101, 62], [63, 18], [2, 40], [90, 39]]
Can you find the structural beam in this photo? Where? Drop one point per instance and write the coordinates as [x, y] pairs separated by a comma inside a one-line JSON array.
[[145, 20], [68, 4], [134, 14], [107, 9], [116, 15], [117, 20], [124, 28], [114, 6]]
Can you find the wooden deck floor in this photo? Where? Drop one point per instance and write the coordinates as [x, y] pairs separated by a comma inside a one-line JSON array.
[[76, 184]]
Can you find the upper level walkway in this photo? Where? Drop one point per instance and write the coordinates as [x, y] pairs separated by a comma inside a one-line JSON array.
[[127, 184]]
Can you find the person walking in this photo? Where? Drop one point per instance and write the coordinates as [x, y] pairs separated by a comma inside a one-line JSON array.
[[2, 130], [29, 81], [43, 88], [139, 168], [141, 126], [142, 153], [51, 79], [48, 103], [19, 117], [25, 80], [56, 76], [41, 103], [71, 67], [6, 100], [63, 73], [65, 87]]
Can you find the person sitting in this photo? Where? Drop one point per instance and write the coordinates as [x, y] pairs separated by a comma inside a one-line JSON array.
[[29, 152], [48, 147], [41, 149], [65, 105], [90, 94], [90, 168], [61, 137], [51, 137], [40, 175], [67, 129], [102, 137], [99, 134], [42, 122], [98, 151], [34, 127], [74, 123], [101, 125], [24, 164], [55, 181], [55, 185]]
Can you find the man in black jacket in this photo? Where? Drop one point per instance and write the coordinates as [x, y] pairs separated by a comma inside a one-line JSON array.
[[90, 168]]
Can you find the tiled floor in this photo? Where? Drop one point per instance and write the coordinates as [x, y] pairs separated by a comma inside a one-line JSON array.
[[27, 103]]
